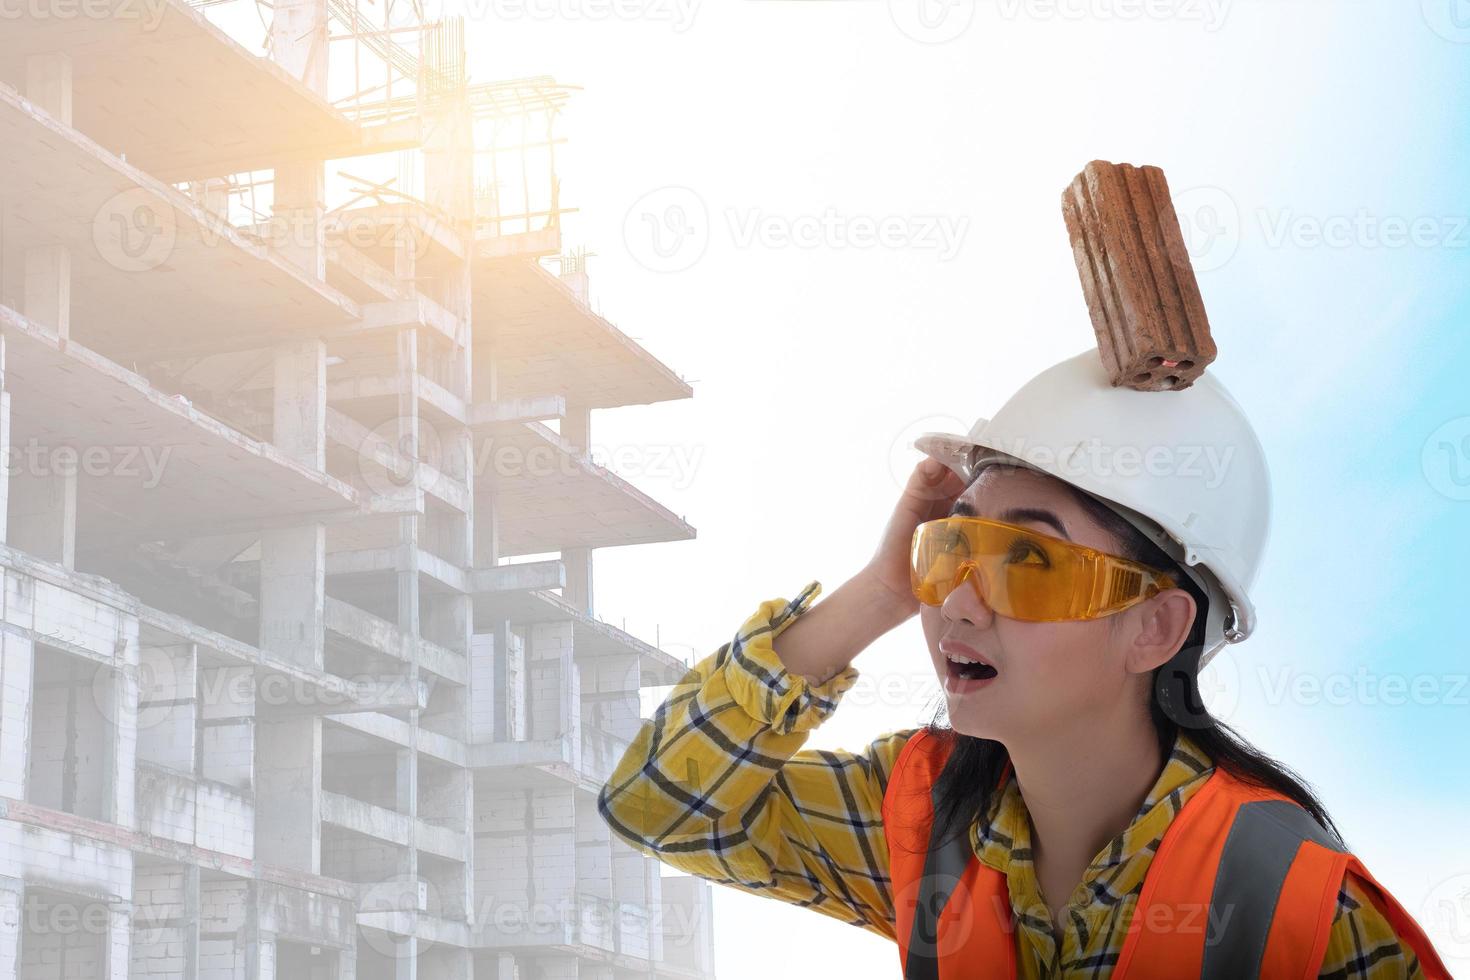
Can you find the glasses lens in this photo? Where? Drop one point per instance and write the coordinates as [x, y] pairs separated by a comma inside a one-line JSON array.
[[1019, 574]]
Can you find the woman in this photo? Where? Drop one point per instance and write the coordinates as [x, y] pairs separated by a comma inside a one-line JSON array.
[[1080, 814]]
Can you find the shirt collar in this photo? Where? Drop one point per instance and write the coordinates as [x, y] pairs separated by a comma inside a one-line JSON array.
[[1002, 836]]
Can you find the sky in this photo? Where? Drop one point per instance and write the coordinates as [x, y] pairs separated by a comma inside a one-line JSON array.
[[839, 221]]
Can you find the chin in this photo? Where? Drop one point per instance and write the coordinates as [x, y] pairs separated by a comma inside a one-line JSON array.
[[967, 722]]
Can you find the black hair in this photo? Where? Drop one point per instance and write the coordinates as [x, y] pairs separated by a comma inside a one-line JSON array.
[[974, 766]]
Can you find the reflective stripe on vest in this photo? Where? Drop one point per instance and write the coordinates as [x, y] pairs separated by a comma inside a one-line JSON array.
[[1244, 885]]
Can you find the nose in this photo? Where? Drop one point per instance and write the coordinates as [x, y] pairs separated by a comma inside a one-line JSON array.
[[966, 601]]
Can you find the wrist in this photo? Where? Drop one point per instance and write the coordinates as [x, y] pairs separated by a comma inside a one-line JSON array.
[[888, 607]]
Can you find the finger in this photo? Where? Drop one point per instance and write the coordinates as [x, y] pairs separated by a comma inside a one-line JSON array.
[[934, 486]]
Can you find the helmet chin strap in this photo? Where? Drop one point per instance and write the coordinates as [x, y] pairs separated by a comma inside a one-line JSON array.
[[1176, 688]]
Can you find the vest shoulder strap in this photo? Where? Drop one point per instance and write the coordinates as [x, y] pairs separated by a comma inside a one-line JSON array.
[[1244, 885]]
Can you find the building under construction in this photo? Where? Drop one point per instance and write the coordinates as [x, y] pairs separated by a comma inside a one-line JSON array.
[[300, 676]]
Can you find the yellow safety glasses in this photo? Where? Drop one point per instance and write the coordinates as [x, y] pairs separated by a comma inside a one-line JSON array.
[[1025, 575]]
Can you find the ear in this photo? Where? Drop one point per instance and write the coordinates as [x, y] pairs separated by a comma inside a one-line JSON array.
[[1156, 628]]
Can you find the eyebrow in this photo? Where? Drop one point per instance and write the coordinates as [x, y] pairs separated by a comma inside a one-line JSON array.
[[1016, 515]]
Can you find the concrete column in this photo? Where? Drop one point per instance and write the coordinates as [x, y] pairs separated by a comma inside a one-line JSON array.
[[48, 287], [293, 565], [578, 590], [299, 405], [12, 898], [293, 560], [17, 662], [484, 529], [259, 944], [119, 941], [288, 795], [48, 84], [260, 953], [405, 963], [298, 41], [449, 159], [450, 623], [407, 441], [5, 471], [43, 512], [346, 964], [190, 924], [42, 504], [485, 710], [502, 693], [576, 428], [124, 762], [297, 212]]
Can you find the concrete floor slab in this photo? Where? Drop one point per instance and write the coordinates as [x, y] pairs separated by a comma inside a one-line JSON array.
[[548, 342]]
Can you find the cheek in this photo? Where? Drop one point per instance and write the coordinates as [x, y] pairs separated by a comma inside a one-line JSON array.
[[933, 623], [1061, 656]]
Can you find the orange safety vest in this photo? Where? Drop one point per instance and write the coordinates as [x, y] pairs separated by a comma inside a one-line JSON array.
[[1244, 885]]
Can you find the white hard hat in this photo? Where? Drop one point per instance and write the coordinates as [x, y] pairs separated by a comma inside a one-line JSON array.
[[1184, 467]]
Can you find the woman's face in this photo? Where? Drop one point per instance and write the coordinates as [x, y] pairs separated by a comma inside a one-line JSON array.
[[1049, 676]]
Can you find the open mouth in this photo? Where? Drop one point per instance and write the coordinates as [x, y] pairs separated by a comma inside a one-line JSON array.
[[964, 668]]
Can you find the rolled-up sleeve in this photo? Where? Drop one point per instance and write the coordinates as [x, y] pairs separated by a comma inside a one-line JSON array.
[[717, 784]]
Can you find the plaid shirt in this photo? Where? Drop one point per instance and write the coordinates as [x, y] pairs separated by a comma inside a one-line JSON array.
[[717, 785]]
